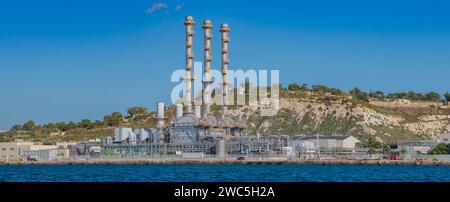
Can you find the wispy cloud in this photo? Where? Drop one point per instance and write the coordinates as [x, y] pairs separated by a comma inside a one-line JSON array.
[[155, 7], [179, 7]]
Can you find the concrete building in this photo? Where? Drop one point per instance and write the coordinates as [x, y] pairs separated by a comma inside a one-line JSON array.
[[304, 145], [11, 151], [39, 152], [332, 142], [138, 135], [122, 134]]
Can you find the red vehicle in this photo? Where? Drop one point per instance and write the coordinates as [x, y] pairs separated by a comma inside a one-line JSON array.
[[395, 157], [240, 158]]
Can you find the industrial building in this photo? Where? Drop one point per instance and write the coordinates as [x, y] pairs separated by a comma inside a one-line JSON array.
[[23, 151], [332, 142], [10, 151], [194, 131], [193, 124]]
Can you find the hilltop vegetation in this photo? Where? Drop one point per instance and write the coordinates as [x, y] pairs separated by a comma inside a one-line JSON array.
[[84, 130], [304, 110]]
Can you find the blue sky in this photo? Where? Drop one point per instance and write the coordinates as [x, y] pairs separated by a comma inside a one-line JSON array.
[[75, 59]]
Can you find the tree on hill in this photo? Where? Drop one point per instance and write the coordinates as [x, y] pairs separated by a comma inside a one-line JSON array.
[[320, 89], [16, 127], [433, 96], [29, 125], [71, 125], [62, 126], [414, 96], [378, 95], [113, 120], [137, 113], [305, 87], [358, 94], [335, 91], [394, 96], [294, 87], [86, 123]]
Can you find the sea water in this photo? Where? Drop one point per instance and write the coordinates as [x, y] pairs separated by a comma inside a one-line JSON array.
[[224, 173]]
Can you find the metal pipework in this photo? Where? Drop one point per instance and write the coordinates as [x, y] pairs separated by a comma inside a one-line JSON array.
[[189, 23], [224, 29], [207, 26]]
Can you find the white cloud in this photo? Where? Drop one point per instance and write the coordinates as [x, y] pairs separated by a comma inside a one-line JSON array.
[[155, 7], [179, 7]]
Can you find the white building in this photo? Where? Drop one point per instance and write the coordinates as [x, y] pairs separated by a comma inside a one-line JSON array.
[[139, 135], [123, 134], [11, 151], [303, 145], [331, 142], [22, 151]]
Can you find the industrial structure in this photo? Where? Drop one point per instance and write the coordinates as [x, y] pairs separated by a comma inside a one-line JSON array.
[[193, 126], [195, 131]]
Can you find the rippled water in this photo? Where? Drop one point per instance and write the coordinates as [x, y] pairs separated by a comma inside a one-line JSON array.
[[221, 173]]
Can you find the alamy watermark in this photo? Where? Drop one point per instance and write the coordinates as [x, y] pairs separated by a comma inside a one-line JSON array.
[[250, 87]]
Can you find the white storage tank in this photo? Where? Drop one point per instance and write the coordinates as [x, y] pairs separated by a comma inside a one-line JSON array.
[[179, 110], [198, 111], [160, 109]]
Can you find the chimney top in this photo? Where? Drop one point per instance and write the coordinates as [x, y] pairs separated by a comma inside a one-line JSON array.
[[224, 28], [189, 20], [207, 24]]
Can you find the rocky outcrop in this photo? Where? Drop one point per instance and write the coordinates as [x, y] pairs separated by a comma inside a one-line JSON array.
[[387, 123]]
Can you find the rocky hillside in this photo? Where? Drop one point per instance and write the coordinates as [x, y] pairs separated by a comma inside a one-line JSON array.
[[328, 115]]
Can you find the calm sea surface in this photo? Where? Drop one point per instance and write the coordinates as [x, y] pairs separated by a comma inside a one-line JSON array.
[[220, 173]]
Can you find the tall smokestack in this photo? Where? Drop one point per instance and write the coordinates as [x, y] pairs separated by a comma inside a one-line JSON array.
[[224, 30], [189, 22], [207, 26]]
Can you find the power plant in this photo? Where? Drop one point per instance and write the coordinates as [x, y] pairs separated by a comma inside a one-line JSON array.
[[193, 126], [194, 130]]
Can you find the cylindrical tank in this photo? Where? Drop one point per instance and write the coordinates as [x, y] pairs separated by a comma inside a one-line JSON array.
[[221, 149], [198, 111], [179, 110], [160, 110]]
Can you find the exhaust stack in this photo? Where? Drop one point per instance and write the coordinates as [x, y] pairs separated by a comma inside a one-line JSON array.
[[225, 39], [189, 23], [207, 26]]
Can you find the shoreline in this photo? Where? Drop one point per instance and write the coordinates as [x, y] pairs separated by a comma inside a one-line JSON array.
[[226, 161]]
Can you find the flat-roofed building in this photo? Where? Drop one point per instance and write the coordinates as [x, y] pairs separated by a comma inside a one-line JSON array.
[[330, 142], [11, 151]]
